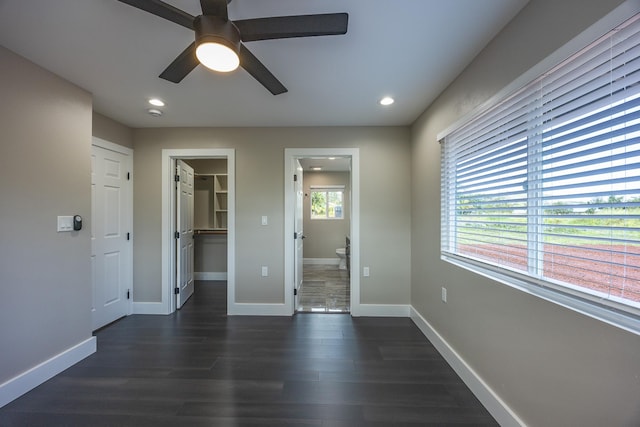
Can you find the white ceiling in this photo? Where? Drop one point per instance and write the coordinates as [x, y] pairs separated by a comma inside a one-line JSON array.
[[409, 49]]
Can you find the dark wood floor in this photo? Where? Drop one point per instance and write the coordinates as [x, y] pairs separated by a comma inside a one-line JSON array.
[[201, 368]]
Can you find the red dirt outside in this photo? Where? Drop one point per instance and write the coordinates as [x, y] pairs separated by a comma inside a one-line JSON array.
[[614, 270]]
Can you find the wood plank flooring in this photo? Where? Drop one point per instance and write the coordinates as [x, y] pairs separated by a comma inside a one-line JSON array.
[[199, 367], [325, 289]]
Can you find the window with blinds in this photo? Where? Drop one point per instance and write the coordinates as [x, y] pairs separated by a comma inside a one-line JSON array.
[[545, 185]]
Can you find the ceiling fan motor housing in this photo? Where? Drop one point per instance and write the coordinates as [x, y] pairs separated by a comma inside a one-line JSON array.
[[213, 29]]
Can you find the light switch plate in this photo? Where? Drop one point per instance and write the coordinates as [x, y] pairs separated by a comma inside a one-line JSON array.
[[65, 223], [365, 271], [265, 220], [265, 271]]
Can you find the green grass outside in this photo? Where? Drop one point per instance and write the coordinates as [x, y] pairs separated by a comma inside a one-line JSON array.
[[568, 229]]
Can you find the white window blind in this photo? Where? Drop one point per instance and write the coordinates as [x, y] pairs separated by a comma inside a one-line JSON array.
[[545, 185]]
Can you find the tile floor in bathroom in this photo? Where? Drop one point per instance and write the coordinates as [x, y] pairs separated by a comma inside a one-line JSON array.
[[325, 289]]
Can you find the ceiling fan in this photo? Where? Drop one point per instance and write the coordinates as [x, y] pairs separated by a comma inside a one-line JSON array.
[[217, 37]]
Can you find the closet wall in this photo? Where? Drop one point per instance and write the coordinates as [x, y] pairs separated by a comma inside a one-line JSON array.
[[210, 218]]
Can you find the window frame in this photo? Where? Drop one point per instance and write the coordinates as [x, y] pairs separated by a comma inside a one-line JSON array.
[[609, 311]]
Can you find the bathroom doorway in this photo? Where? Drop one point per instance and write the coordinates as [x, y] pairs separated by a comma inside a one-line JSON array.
[[326, 215], [326, 192]]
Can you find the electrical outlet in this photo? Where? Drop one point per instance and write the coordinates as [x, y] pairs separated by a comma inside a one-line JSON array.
[[365, 271], [265, 271], [444, 294]]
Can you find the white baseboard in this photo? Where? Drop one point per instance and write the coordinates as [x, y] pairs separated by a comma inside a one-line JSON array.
[[210, 275], [321, 261], [380, 310], [494, 404], [28, 380], [149, 308], [244, 309]]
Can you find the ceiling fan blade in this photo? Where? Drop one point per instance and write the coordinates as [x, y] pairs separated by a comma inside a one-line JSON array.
[[215, 8], [163, 10], [282, 27], [259, 72], [182, 65]]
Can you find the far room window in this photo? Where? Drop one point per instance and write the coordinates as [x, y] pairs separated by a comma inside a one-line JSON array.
[[543, 188], [327, 202]]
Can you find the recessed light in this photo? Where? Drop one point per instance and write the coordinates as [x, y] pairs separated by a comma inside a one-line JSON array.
[[332, 158], [156, 102], [316, 168], [387, 100]]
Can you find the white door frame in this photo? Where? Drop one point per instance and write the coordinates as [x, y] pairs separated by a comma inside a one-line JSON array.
[[290, 155], [128, 206], [168, 262]]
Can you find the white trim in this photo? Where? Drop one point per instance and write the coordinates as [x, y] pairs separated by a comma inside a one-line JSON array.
[[248, 309], [150, 308], [487, 396], [383, 310], [168, 250], [210, 275], [32, 378], [112, 146], [321, 261], [616, 17], [101, 143], [290, 155]]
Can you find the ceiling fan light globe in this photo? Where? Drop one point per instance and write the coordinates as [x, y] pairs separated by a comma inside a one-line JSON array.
[[217, 57]]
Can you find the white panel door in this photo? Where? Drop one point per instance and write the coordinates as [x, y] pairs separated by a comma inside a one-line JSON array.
[[299, 236], [111, 256], [184, 225]]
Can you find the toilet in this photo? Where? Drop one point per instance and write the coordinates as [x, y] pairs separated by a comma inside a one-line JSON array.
[[342, 255]]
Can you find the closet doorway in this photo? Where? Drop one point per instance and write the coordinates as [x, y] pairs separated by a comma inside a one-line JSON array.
[[213, 219]]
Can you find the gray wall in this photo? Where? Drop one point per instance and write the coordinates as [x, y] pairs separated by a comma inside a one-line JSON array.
[[108, 129], [325, 236], [260, 191], [45, 291], [552, 366], [210, 253]]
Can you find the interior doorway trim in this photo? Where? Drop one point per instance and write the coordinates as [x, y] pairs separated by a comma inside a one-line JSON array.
[[290, 156], [169, 157]]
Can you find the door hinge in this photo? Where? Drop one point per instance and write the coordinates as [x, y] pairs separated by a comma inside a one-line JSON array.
[[295, 177], [295, 292], [128, 294], [176, 178], [128, 236], [176, 291], [295, 235], [128, 176], [176, 234]]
